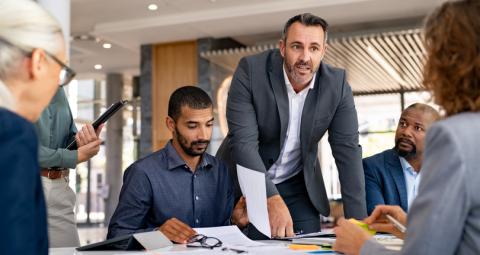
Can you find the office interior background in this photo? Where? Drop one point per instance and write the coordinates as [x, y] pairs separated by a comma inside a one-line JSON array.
[[142, 50]]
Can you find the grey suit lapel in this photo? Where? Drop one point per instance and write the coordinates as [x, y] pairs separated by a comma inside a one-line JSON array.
[[277, 81], [309, 112], [396, 170]]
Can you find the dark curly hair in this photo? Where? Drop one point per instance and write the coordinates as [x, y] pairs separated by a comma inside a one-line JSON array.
[[452, 68]]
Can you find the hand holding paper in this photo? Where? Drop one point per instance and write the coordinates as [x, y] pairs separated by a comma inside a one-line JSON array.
[[252, 184]]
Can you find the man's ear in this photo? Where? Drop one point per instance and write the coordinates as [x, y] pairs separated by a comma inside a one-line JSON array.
[[170, 124], [282, 46], [37, 63]]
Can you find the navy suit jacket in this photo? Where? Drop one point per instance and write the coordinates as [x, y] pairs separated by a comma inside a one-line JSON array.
[[385, 181], [23, 218]]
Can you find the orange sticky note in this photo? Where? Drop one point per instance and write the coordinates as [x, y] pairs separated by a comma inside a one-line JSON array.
[[303, 247]]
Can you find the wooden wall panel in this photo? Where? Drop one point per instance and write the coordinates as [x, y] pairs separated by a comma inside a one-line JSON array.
[[173, 65]]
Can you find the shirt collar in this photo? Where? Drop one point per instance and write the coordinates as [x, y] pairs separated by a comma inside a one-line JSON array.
[[407, 167], [289, 85], [174, 160], [6, 98]]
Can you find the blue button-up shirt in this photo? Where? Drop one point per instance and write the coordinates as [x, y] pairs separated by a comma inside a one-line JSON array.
[[412, 180], [161, 186]]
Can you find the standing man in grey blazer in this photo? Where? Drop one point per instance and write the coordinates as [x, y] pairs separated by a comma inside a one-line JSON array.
[[280, 104]]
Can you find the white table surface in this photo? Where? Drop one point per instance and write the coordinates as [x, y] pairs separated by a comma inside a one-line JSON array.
[[177, 248]]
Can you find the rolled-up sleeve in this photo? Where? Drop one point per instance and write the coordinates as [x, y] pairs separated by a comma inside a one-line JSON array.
[[57, 158]]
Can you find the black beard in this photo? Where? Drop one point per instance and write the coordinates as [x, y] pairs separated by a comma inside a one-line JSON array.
[[189, 149], [406, 154]]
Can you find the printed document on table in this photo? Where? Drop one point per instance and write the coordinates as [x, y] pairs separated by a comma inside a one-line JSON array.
[[229, 235], [252, 184]]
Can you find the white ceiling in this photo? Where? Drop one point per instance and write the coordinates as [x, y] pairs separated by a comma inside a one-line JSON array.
[[127, 24]]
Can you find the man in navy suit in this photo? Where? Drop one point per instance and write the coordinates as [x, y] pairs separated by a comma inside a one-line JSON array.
[[392, 177]]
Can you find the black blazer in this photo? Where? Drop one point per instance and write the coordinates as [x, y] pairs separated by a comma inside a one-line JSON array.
[[257, 115]]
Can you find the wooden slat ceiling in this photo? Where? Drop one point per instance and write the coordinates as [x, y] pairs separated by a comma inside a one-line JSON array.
[[376, 63]]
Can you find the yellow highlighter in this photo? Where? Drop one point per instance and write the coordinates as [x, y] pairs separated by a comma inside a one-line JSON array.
[[363, 225]]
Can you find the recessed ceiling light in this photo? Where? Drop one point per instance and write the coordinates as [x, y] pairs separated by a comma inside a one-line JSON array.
[[107, 45], [98, 67], [153, 7]]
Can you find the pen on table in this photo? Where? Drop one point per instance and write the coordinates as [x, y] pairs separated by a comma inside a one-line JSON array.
[[397, 224], [234, 250]]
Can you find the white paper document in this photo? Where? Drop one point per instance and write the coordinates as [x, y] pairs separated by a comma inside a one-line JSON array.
[[152, 240], [252, 184], [229, 235]]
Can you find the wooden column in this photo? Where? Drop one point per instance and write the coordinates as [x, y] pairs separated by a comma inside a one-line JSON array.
[[173, 65]]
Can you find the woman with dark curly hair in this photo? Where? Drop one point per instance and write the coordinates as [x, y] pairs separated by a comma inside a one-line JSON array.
[[445, 216]]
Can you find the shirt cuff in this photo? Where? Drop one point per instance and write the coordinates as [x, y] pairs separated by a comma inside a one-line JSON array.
[[69, 158]]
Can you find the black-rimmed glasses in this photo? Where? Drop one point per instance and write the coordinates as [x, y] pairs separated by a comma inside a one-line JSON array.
[[66, 74], [204, 241]]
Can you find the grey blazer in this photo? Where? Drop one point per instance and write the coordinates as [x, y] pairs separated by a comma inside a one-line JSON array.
[[445, 216], [257, 115]]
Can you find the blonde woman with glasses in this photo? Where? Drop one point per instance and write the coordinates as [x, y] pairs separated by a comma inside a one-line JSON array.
[[32, 53]]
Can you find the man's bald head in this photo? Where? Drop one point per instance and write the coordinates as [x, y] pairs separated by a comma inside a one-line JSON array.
[[425, 110]]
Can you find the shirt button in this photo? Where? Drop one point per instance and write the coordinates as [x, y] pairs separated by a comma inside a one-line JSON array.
[[194, 176], [197, 221], [196, 198]]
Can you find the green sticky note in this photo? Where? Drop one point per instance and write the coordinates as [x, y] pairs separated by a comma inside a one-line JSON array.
[[363, 225]]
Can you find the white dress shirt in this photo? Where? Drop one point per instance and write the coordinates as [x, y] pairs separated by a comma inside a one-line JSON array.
[[412, 180], [289, 162]]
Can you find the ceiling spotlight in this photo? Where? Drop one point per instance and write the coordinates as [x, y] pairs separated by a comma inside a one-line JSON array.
[[107, 45], [98, 67], [153, 7]]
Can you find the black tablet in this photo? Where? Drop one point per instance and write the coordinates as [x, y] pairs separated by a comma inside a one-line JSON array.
[[102, 119], [122, 243]]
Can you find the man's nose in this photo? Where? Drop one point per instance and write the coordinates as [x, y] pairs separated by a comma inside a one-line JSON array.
[[202, 133], [305, 56], [408, 131]]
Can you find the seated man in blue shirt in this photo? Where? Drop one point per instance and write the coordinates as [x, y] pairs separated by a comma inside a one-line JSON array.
[[392, 177], [180, 186]]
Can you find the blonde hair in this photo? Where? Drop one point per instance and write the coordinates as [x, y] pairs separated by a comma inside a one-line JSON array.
[[24, 26]]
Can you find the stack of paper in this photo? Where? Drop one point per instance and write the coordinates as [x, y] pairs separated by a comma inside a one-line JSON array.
[[229, 235]]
